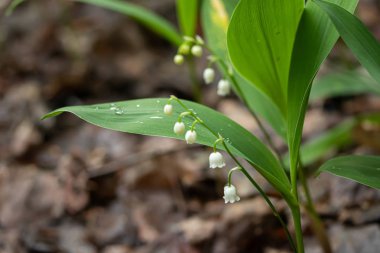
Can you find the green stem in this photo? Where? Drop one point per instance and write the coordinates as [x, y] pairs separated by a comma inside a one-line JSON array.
[[295, 208], [317, 224], [296, 213], [270, 204], [230, 174], [263, 194], [253, 113], [244, 171], [195, 85]]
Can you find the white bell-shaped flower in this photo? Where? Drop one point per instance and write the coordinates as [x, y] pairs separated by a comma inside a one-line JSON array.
[[230, 194], [224, 87], [168, 109], [197, 50], [179, 128], [191, 136], [216, 160], [208, 75], [178, 59]]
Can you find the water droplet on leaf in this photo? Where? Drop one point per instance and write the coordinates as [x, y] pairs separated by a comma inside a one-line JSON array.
[[119, 111]]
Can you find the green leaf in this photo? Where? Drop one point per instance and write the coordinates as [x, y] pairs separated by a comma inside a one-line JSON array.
[[187, 13], [142, 15], [347, 83], [260, 42], [145, 116], [362, 169], [215, 19], [357, 37], [315, 38]]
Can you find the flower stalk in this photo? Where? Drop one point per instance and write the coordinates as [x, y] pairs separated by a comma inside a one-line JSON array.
[[243, 170]]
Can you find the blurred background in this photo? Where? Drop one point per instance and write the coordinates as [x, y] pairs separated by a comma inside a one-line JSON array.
[[67, 186]]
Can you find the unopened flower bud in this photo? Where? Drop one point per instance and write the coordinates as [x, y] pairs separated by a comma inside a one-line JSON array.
[[184, 49], [188, 39], [224, 87], [191, 137], [199, 40], [197, 50], [178, 59], [208, 75], [179, 128], [216, 160], [230, 194], [168, 109]]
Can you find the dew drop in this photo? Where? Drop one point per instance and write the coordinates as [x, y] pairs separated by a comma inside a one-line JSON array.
[[158, 101], [137, 106], [119, 112], [113, 107], [155, 117]]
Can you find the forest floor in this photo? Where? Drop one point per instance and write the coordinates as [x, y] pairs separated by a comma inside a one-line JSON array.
[[67, 186]]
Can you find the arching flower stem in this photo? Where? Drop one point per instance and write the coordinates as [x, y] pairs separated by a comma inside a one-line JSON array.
[[241, 168]]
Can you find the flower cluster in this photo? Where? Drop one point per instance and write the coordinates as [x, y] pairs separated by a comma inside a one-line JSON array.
[[194, 47], [216, 159], [190, 46]]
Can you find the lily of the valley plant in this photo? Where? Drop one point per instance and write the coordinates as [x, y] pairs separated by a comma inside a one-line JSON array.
[[268, 52]]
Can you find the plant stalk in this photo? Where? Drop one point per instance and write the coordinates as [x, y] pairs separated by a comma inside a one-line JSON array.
[[195, 85], [266, 134], [317, 224], [296, 213], [295, 208], [244, 171]]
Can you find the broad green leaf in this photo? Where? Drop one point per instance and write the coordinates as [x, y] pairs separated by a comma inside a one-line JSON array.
[[347, 83], [142, 15], [362, 169], [357, 37], [315, 38], [187, 13], [260, 42], [215, 19], [145, 116]]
